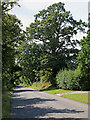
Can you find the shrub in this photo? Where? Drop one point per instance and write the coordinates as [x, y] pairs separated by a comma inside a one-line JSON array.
[[68, 79]]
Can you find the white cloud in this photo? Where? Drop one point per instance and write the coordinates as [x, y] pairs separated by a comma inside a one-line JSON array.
[[37, 5], [25, 20], [31, 7]]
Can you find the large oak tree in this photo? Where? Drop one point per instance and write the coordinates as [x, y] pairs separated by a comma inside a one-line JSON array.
[[55, 28]]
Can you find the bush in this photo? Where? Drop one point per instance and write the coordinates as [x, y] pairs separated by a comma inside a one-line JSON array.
[[69, 79]]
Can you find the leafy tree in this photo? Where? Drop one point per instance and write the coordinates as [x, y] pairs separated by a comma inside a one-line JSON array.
[[12, 37], [54, 28], [29, 60], [84, 60]]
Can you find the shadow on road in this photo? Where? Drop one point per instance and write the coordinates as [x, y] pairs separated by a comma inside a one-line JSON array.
[[27, 108], [17, 91]]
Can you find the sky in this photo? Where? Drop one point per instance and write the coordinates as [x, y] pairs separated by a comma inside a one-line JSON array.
[[78, 8]]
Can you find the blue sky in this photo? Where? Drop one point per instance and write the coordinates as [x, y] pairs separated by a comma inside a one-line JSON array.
[[78, 8]]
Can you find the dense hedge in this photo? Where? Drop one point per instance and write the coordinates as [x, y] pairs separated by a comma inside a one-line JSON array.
[[69, 79]]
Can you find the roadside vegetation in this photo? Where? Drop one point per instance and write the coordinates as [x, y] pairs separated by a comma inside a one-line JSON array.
[[12, 36], [56, 90], [46, 87], [6, 102]]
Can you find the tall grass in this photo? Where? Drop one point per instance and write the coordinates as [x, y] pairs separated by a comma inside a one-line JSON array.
[[6, 102]]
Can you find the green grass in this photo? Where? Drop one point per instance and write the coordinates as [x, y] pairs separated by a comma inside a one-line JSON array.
[[56, 91], [52, 90], [81, 97], [6, 102]]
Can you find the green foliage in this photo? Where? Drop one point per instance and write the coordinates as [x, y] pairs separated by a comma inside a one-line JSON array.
[[45, 48], [47, 87], [6, 102], [12, 37], [29, 60], [84, 56], [68, 79], [37, 85], [56, 90], [84, 60], [45, 74], [54, 28]]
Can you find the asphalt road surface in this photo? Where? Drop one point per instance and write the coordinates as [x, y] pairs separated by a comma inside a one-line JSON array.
[[29, 103]]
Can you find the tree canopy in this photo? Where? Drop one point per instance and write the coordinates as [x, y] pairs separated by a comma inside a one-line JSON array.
[[47, 46], [55, 28], [12, 37], [84, 59]]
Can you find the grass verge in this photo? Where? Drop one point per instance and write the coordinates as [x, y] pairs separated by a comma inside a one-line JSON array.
[[56, 90], [45, 87], [6, 102], [81, 97]]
